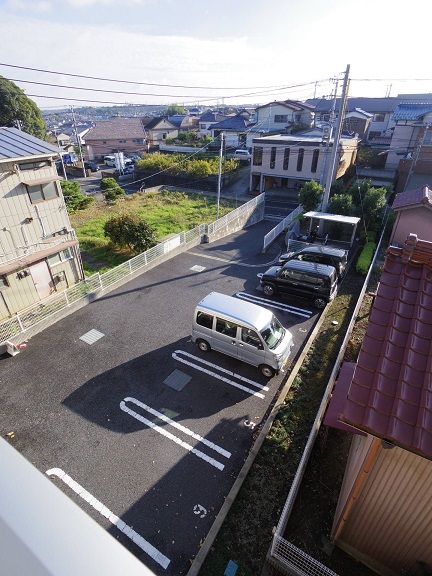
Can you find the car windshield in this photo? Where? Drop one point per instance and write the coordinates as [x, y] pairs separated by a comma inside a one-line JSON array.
[[273, 334]]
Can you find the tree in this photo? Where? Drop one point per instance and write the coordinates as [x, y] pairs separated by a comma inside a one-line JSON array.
[[74, 198], [14, 105], [111, 189], [130, 231], [341, 204], [310, 195], [373, 202], [174, 109]]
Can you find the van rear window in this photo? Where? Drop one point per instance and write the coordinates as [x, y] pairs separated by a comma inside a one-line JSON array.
[[204, 319]]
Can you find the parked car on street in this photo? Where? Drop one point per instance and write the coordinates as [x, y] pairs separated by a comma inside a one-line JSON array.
[[242, 155], [90, 165], [321, 255], [316, 282]]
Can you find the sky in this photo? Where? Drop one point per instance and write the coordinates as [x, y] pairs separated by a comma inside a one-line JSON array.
[[230, 51]]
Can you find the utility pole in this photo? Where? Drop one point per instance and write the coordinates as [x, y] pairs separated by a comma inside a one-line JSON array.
[[220, 173], [336, 139], [416, 156], [61, 156], [327, 136], [78, 141]]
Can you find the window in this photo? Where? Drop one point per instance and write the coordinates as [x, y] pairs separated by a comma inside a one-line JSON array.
[[205, 320], [42, 192], [202, 126], [164, 135], [33, 165], [374, 134], [3, 282], [300, 157], [315, 157], [225, 327], [297, 118], [273, 157], [104, 141], [286, 158], [379, 117], [257, 155], [281, 118], [60, 257], [248, 336]]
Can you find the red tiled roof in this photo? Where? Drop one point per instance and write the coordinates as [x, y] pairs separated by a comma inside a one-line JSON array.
[[117, 128], [391, 392], [413, 198]]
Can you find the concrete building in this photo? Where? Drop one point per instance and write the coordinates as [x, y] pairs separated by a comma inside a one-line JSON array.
[[39, 252], [288, 161]]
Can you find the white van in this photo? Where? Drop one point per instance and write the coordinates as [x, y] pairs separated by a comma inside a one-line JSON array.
[[242, 330], [110, 161], [242, 155]]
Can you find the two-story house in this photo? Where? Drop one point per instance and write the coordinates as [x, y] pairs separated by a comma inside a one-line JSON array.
[[127, 135], [413, 210], [159, 129], [207, 120], [411, 143], [39, 253], [284, 116], [288, 160]]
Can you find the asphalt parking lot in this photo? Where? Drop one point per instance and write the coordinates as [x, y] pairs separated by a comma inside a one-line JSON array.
[[142, 430]]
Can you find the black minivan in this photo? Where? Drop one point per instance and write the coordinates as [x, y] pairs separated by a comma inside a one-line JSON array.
[[316, 282], [321, 255]]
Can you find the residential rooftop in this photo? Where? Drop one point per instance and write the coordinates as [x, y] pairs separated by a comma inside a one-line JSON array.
[[390, 395], [413, 199], [118, 128], [16, 144]]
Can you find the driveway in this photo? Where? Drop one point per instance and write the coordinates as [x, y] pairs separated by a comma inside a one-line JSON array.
[[142, 430]]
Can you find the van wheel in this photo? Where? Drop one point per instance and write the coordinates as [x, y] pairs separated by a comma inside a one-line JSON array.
[[268, 290], [203, 345], [320, 303], [267, 371]]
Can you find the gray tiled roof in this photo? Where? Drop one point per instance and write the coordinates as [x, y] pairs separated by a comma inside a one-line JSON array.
[[412, 111], [372, 105], [413, 198], [16, 144]]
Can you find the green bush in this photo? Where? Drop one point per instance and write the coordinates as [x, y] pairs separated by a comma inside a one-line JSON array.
[[365, 258], [130, 231], [112, 190], [74, 198], [179, 165]]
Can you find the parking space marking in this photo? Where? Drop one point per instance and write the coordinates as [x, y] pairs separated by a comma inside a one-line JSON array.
[[170, 436], [176, 356], [227, 261], [115, 520], [180, 427], [275, 304], [91, 336]]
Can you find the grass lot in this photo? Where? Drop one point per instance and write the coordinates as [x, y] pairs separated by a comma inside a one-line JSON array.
[[168, 212], [247, 531]]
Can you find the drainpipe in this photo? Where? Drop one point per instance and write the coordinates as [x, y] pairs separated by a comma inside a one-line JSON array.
[[44, 235]]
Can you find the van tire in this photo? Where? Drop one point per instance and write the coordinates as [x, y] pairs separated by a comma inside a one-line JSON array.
[[203, 345], [266, 371], [320, 303], [268, 290]]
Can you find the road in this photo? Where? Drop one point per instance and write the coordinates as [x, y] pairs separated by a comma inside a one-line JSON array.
[[143, 431]]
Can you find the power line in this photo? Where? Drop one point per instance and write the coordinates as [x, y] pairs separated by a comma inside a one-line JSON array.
[[201, 97], [139, 83]]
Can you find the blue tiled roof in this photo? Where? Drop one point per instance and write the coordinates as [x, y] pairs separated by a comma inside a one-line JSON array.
[[17, 144], [233, 123], [371, 105], [412, 111]]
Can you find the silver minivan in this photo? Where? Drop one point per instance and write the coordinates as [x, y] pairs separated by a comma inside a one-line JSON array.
[[243, 330]]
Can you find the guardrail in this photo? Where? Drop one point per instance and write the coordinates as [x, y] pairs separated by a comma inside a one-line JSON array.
[[281, 227], [281, 549], [21, 324]]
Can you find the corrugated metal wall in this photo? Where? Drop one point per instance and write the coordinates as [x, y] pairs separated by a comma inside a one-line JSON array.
[[391, 522]]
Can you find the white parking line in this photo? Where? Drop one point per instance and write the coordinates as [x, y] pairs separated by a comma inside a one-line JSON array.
[[175, 424], [272, 304], [167, 434], [227, 261], [115, 520], [176, 356]]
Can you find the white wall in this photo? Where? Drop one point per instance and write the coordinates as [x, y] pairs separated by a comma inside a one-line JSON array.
[[265, 117]]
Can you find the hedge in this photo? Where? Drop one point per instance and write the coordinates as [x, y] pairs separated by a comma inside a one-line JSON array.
[[365, 258]]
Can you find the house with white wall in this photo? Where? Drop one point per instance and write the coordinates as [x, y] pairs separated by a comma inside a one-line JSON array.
[[158, 130], [287, 161], [207, 120], [39, 252], [282, 116]]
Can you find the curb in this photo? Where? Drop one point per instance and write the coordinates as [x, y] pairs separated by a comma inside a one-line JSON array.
[[232, 494]]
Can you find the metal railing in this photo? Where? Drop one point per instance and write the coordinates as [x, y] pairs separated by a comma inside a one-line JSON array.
[[297, 561], [20, 324], [281, 227]]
